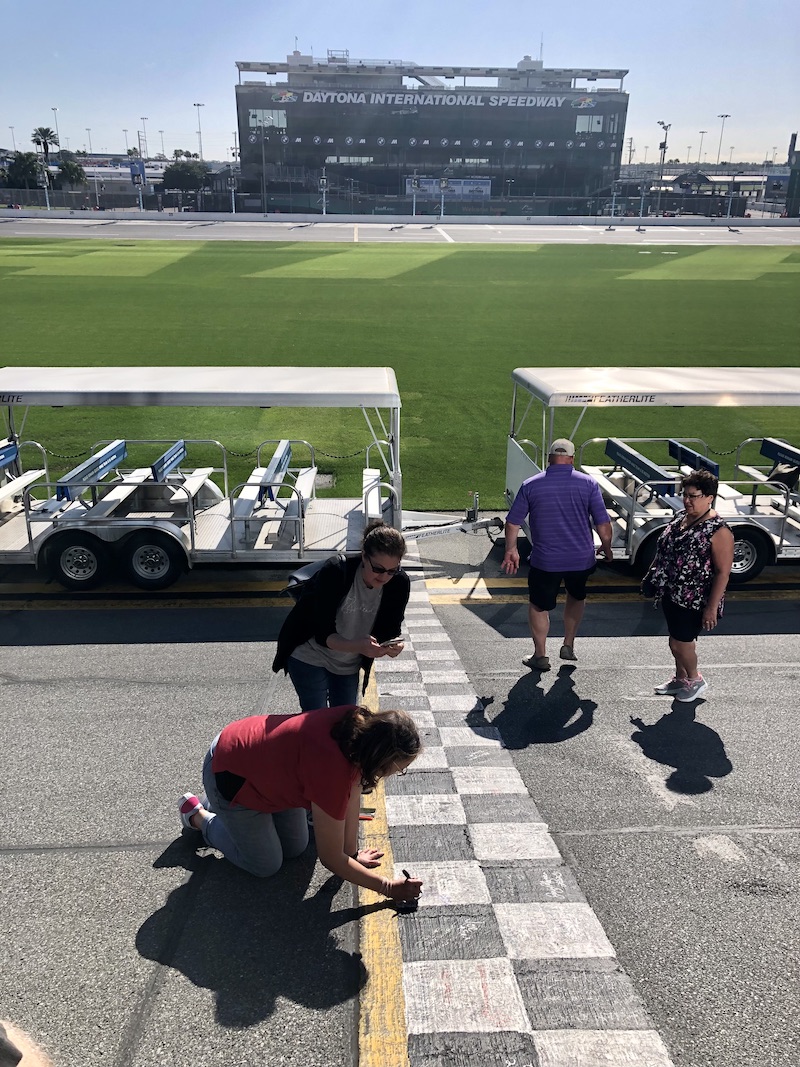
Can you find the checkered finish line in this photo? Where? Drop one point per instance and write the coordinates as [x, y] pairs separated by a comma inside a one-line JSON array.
[[504, 963]]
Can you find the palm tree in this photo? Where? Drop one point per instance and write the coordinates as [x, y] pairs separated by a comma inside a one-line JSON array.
[[71, 173], [23, 171], [43, 137]]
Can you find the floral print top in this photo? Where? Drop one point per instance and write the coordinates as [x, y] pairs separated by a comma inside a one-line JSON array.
[[684, 567]]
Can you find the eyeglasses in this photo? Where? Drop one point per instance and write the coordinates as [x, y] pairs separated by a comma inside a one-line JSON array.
[[391, 571], [693, 496]]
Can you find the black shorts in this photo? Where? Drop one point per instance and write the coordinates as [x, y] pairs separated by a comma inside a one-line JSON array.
[[543, 586], [684, 624]]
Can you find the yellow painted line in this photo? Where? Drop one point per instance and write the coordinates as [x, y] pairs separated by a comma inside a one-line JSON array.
[[126, 590], [66, 603], [382, 1036], [613, 598]]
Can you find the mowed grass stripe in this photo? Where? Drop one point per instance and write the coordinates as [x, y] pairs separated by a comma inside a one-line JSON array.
[[453, 326]]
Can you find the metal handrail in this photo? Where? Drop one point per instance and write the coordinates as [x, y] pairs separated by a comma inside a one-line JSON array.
[[277, 441], [381, 485], [299, 519]]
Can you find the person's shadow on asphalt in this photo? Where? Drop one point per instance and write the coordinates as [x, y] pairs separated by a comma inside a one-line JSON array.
[[532, 716], [677, 740], [253, 940]]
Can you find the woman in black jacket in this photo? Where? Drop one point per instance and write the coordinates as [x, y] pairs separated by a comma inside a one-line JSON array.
[[345, 621]]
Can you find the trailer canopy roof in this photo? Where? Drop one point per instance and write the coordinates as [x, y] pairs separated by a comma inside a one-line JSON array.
[[312, 387], [559, 387]]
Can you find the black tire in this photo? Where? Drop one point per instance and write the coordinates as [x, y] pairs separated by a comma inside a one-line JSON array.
[[751, 554], [153, 560], [646, 554], [78, 560]]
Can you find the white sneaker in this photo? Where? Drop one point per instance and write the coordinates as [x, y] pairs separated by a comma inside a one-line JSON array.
[[692, 690], [670, 688]]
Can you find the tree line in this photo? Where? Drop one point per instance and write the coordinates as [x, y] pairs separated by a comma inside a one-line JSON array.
[[27, 170]]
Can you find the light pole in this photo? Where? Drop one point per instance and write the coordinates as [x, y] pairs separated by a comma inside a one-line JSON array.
[[721, 131], [323, 187], [235, 145], [126, 141], [55, 119], [689, 156], [14, 140], [646, 150], [163, 153], [199, 130], [263, 173], [774, 150], [730, 155], [143, 146], [88, 130], [700, 149], [665, 126]]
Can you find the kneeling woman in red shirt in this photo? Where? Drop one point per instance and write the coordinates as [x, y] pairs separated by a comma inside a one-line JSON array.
[[262, 774]]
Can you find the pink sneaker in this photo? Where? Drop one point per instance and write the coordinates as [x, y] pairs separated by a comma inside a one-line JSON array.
[[187, 806]]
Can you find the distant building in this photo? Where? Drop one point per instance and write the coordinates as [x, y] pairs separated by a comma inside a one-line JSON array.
[[375, 126]]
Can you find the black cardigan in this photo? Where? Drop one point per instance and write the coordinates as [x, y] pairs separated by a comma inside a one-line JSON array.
[[314, 615]]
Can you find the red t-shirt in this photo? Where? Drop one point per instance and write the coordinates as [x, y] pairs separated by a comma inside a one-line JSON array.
[[287, 761]]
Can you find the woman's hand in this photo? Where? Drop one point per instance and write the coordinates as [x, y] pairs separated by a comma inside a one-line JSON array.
[[369, 857], [407, 889], [394, 650], [368, 646], [709, 617]]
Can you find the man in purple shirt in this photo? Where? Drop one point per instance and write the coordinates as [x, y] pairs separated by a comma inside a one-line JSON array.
[[561, 504]]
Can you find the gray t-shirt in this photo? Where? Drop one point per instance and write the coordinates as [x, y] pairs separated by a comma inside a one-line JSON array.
[[354, 620]]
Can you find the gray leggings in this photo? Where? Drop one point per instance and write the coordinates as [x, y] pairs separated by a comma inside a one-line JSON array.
[[253, 840]]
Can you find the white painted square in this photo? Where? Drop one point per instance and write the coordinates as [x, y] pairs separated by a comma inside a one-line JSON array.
[[456, 702], [491, 780], [428, 624], [448, 882], [463, 996], [512, 841], [473, 736], [388, 687], [552, 931], [428, 810], [448, 677], [431, 759], [423, 637], [436, 653], [398, 665], [423, 718], [611, 1048]]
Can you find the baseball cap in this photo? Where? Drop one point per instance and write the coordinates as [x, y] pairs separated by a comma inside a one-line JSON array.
[[562, 447]]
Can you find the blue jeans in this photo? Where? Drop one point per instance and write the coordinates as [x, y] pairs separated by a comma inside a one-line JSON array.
[[318, 687], [253, 840]]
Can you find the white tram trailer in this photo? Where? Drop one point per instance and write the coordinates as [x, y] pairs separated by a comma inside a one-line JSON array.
[[640, 477], [157, 519]]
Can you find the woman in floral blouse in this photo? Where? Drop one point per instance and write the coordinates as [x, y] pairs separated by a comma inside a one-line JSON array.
[[689, 574]]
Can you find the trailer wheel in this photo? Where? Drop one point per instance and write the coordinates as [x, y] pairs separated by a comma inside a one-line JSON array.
[[750, 555], [79, 560], [153, 560], [646, 554]]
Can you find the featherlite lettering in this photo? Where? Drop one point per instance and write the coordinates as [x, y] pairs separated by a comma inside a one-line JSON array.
[[319, 96]]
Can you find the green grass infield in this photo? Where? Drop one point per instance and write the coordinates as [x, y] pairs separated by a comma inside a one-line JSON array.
[[452, 320]]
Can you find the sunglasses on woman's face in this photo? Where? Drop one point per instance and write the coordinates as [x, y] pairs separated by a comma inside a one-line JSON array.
[[377, 569]]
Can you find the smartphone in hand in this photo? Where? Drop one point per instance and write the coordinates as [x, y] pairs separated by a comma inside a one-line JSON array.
[[394, 641]]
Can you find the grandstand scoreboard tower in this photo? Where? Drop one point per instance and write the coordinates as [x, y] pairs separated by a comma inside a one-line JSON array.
[[556, 132]]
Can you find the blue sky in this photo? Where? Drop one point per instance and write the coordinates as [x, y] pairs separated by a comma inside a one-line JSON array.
[[105, 65]]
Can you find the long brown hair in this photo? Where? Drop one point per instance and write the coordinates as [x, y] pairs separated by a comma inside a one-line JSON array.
[[376, 742]]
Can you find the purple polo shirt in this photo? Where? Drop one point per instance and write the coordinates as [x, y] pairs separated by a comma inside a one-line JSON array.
[[561, 504]]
